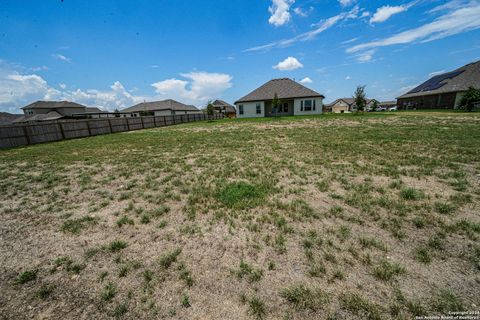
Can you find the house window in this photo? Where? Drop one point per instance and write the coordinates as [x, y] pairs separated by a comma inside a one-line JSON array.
[[285, 107], [259, 108], [301, 105], [240, 108], [314, 105], [308, 105]]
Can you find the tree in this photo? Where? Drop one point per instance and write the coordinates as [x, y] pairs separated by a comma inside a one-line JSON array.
[[210, 109], [360, 98], [469, 98], [276, 103], [374, 105]]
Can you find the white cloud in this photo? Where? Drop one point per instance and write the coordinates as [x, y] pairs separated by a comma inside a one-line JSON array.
[[288, 64], [18, 88], [41, 68], [61, 57], [461, 20], [309, 35], [197, 89], [384, 13], [306, 80], [115, 98], [348, 78], [280, 12], [365, 56], [346, 3], [436, 73], [301, 12]]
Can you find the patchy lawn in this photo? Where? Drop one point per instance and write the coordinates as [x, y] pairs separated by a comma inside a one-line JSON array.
[[330, 217]]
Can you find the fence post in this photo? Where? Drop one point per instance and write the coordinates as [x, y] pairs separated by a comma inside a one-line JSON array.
[[128, 123], [164, 121], [61, 130], [154, 122], [174, 121], [25, 131], [110, 125], [88, 127], [143, 124]]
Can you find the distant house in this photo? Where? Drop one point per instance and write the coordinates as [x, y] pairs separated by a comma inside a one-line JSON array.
[[443, 91], [296, 99], [387, 104], [162, 108], [8, 118], [49, 110], [227, 109], [345, 105]]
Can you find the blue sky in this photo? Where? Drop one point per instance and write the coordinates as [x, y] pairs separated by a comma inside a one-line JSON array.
[[113, 54]]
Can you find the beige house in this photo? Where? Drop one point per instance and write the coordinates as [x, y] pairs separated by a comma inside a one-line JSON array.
[[50, 110], [345, 105], [162, 108], [295, 98]]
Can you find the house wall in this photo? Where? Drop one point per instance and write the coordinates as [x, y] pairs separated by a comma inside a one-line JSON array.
[[297, 106], [170, 112], [434, 101], [250, 110], [163, 113], [339, 107], [62, 111], [69, 111], [458, 98]]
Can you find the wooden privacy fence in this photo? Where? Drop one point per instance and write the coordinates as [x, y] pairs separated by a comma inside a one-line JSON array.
[[24, 134]]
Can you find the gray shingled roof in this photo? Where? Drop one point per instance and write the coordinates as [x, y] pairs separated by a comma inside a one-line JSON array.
[[284, 88], [458, 80], [94, 110], [222, 104], [8, 118], [53, 105], [52, 115], [161, 105]]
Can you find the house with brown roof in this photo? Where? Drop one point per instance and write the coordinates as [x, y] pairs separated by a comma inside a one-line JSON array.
[[345, 105], [162, 108], [225, 108], [295, 98], [443, 91], [49, 110]]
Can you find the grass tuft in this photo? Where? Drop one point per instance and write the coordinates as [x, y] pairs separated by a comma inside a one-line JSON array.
[[169, 258], [26, 276], [412, 194], [302, 297], [386, 270], [242, 195]]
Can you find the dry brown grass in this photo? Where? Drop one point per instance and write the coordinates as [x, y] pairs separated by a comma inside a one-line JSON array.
[[314, 218]]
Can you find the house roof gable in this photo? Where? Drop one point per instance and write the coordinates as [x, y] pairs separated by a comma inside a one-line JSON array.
[[53, 105], [457, 80], [161, 105], [284, 88]]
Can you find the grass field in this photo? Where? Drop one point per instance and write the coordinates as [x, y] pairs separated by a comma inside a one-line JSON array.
[[331, 217]]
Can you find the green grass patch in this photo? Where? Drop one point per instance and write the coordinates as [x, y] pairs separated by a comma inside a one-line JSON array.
[[302, 297], [242, 195], [26, 276], [76, 225], [169, 258]]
